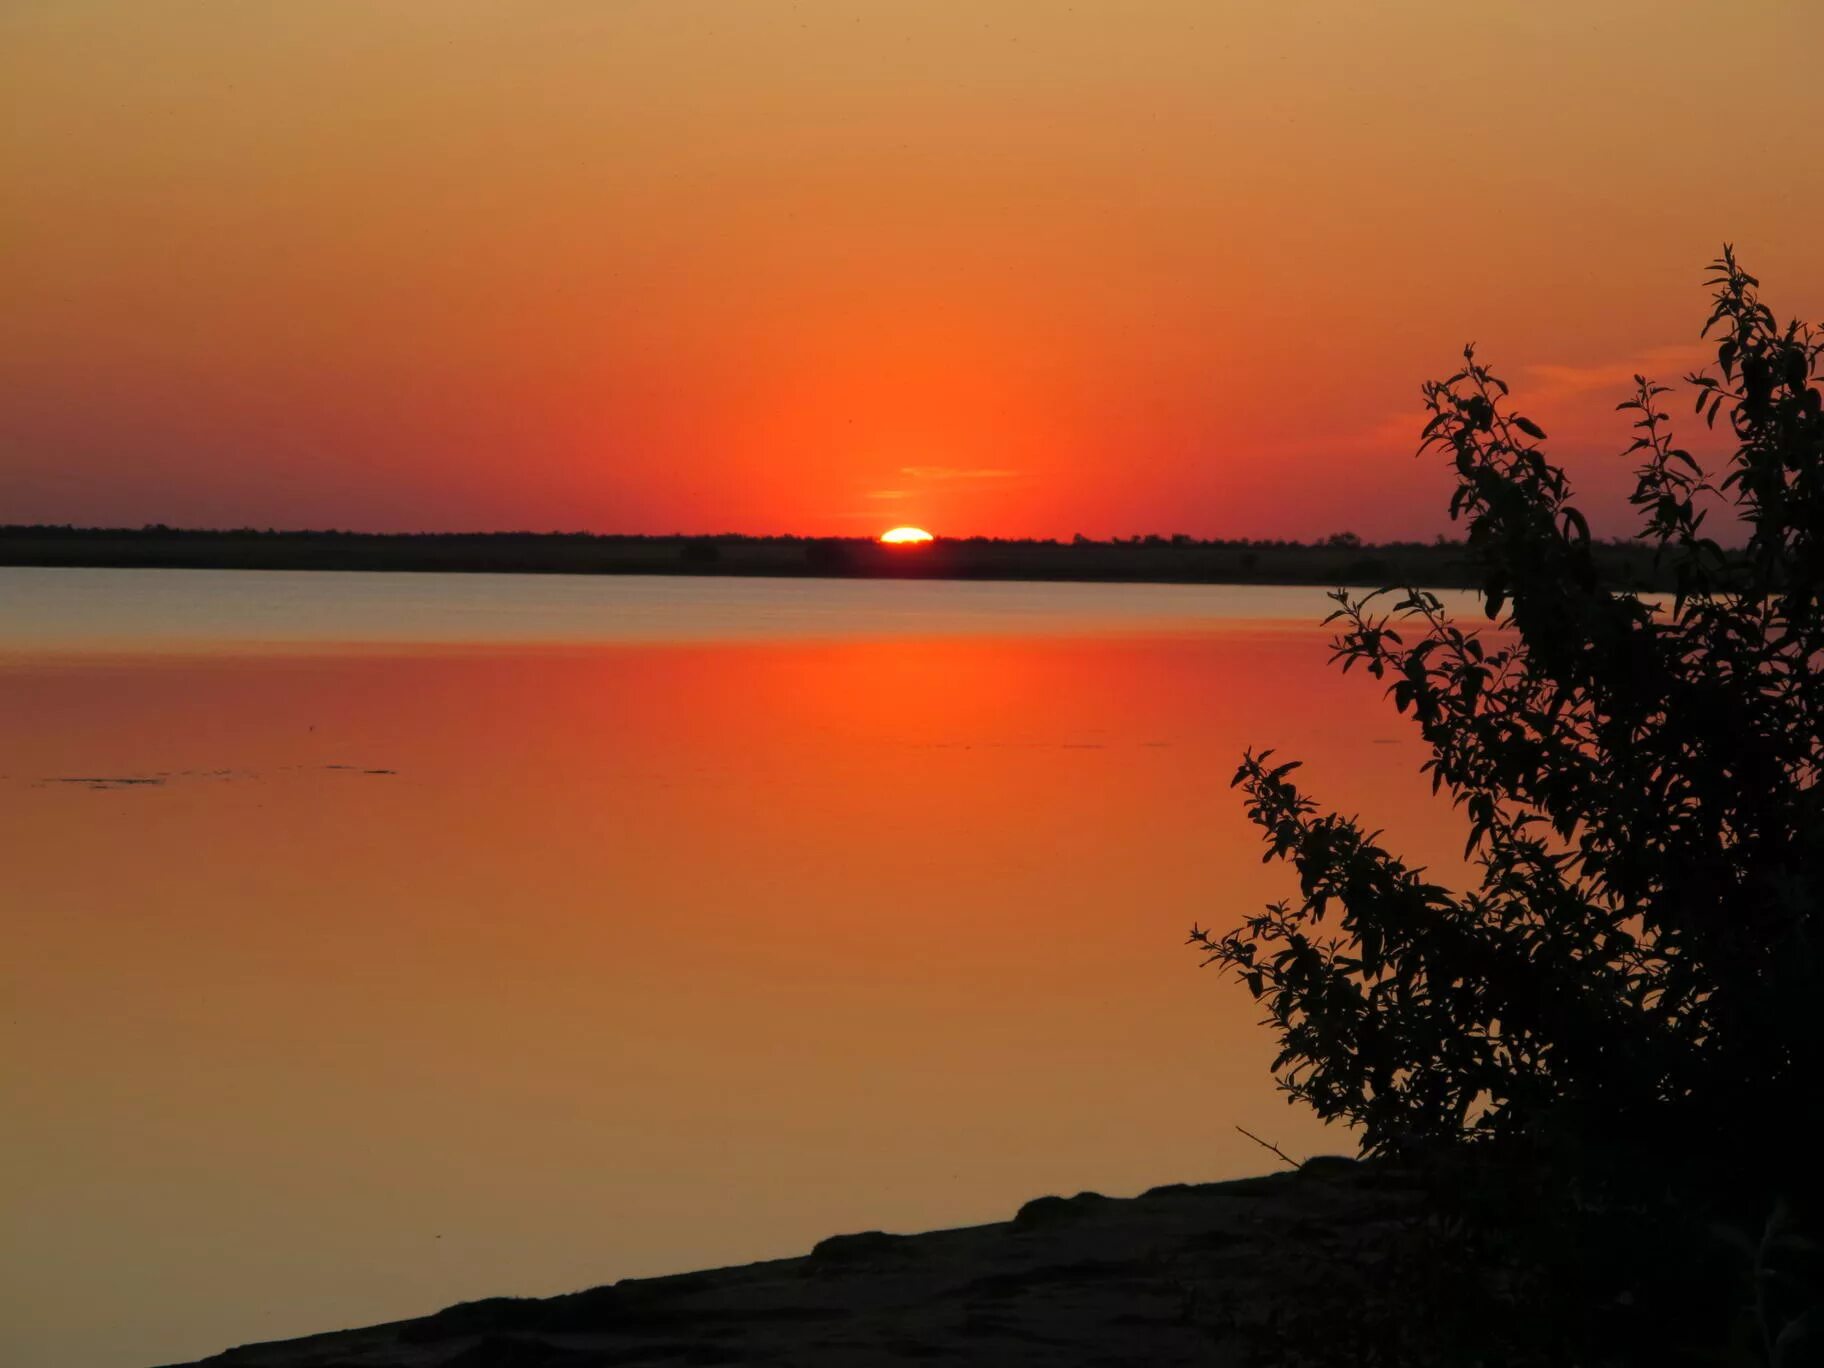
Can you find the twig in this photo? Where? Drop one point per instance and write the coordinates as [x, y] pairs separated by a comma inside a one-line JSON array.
[[1268, 1145]]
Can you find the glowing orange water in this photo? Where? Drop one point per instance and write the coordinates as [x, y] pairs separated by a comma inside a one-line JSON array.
[[430, 972]]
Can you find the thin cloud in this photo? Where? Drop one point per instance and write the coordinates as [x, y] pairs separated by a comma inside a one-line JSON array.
[[1401, 429], [1551, 380], [1542, 384], [924, 472], [889, 494]]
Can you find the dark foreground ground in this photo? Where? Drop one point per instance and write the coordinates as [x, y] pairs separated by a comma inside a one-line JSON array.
[[1149, 560], [1466, 1260], [1229, 1273]]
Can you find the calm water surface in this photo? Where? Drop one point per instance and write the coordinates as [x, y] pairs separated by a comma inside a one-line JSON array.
[[381, 941]]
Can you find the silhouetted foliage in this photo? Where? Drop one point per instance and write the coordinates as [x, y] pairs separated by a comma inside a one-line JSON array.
[[828, 556], [700, 552], [1637, 972]]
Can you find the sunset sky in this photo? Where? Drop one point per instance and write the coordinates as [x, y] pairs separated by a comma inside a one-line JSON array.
[[828, 266]]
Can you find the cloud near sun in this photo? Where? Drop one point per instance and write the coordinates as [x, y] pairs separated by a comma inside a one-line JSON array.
[[941, 475], [925, 472]]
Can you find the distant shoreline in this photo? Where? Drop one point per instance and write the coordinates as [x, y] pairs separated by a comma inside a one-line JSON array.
[[1155, 560]]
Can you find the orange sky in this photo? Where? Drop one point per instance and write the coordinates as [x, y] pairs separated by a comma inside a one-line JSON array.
[[825, 266]]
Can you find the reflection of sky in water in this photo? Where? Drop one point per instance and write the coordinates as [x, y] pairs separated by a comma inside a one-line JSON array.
[[180, 609], [646, 957]]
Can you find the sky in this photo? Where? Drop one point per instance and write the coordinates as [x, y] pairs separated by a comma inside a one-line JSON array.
[[994, 267]]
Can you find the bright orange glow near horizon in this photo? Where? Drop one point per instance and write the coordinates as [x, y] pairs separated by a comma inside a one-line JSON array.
[[906, 536], [703, 265]]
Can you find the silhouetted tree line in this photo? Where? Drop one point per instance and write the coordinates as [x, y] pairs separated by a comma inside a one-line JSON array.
[[1180, 558], [1152, 541]]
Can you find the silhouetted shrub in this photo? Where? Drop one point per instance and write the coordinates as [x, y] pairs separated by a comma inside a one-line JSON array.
[[1638, 971]]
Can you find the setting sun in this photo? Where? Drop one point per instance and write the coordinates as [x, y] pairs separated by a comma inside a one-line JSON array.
[[905, 536]]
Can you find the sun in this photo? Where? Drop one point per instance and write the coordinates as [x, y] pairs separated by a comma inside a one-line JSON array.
[[905, 536]]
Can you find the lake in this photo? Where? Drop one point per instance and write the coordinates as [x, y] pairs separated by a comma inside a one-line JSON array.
[[381, 941]]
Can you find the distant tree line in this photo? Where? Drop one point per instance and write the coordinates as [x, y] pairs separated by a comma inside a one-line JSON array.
[[1181, 541]]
